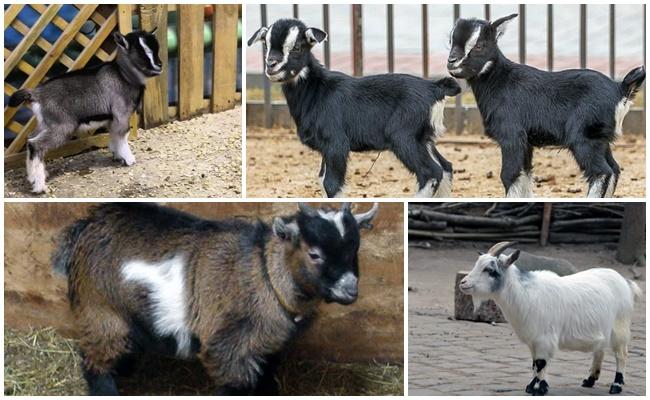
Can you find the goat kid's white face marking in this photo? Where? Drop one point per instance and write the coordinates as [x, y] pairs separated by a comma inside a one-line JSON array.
[[336, 217], [486, 67], [289, 42], [469, 45], [166, 283], [149, 53]]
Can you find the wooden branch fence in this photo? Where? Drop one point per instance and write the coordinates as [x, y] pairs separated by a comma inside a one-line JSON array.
[[34, 59]]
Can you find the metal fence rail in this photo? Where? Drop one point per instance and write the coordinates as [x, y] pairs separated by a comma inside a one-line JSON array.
[[460, 116]]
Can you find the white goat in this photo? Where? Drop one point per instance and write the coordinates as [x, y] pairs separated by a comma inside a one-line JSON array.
[[588, 311]]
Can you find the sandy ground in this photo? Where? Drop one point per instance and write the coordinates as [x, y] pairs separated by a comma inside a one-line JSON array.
[[200, 157], [450, 357], [280, 166]]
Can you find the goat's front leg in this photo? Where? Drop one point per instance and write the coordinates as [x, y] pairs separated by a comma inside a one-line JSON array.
[[515, 172], [267, 385], [444, 188], [119, 142], [538, 386], [333, 168]]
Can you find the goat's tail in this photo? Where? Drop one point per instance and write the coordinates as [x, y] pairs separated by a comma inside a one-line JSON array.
[[62, 257], [636, 291], [19, 97], [633, 81], [449, 86]]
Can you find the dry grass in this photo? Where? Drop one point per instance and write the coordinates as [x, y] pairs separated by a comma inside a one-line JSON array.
[[41, 362]]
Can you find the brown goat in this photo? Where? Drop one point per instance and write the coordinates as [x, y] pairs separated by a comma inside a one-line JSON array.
[[145, 278]]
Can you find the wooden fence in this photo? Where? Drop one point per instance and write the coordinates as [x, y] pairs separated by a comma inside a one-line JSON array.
[[34, 59]]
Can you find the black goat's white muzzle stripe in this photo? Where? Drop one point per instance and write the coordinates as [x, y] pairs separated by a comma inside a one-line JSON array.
[[148, 53]]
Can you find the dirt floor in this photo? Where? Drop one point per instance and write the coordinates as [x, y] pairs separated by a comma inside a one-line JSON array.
[[41, 362], [451, 357], [280, 166], [200, 157]]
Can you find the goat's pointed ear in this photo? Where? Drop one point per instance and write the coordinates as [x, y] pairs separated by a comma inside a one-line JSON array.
[[120, 40], [365, 219], [500, 25], [285, 230], [257, 36], [315, 36], [508, 260]]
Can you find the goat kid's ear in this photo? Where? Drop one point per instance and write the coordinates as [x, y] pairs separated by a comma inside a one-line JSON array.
[[257, 36], [507, 261], [120, 40], [315, 36], [364, 220], [500, 25], [285, 231]]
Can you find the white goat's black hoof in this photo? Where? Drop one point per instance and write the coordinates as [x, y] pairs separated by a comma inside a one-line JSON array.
[[615, 388], [589, 382], [537, 387]]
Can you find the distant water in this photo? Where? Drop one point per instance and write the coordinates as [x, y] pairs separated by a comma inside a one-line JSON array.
[[408, 35]]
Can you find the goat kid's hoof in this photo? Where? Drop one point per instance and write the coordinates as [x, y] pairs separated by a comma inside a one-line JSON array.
[[615, 388], [589, 382], [537, 387]]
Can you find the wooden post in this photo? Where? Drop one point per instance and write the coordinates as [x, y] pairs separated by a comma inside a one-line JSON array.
[[631, 244], [155, 105], [125, 25], [190, 60], [546, 223], [224, 56]]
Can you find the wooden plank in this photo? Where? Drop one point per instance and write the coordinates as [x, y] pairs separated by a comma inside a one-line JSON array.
[[29, 39], [224, 56], [190, 60], [74, 147], [99, 38], [11, 13], [156, 95]]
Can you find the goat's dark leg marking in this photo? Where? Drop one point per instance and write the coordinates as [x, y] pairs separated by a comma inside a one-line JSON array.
[[594, 372], [613, 180], [267, 385], [621, 358], [538, 386], [591, 158], [514, 159], [444, 189], [334, 173]]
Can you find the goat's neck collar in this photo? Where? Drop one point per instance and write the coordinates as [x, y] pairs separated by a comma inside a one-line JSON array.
[[282, 284], [129, 72]]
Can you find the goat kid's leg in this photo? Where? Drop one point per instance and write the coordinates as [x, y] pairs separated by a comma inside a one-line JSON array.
[[613, 179], [321, 177], [591, 159], [621, 358], [37, 148], [417, 158], [334, 166], [515, 170], [445, 186], [538, 386], [594, 372], [119, 142], [267, 384]]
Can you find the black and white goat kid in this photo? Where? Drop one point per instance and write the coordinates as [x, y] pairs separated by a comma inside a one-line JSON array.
[[90, 98], [335, 113], [522, 107]]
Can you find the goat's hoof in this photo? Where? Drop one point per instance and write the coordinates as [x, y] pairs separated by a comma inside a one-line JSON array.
[[540, 389], [39, 189], [589, 382], [615, 388], [531, 386]]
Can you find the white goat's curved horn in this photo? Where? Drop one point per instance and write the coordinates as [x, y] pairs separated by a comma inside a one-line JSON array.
[[498, 248], [364, 218]]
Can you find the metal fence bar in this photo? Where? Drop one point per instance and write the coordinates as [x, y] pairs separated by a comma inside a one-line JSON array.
[[425, 41], [488, 13], [458, 108], [326, 26], [612, 41], [357, 40], [295, 11], [583, 36], [268, 117], [549, 37], [390, 34], [522, 33]]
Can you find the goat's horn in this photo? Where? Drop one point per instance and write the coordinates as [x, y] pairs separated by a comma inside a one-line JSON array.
[[307, 209], [498, 248]]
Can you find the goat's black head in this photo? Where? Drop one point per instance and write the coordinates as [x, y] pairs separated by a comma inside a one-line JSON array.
[[287, 48], [326, 243], [140, 48], [474, 46]]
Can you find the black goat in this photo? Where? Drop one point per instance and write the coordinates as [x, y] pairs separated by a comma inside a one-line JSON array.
[[336, 113], [522, 108]]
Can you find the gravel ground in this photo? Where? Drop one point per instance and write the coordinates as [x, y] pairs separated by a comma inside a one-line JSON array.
[[280, 166], [200, 157]]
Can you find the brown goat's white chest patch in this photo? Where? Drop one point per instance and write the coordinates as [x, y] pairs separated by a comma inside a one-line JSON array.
[[167, 294]]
